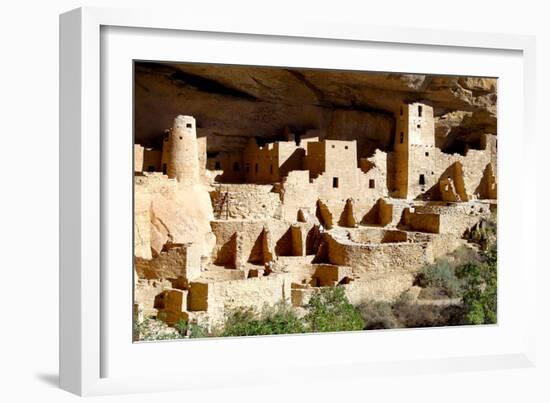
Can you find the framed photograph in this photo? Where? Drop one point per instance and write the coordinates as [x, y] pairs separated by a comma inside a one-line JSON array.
[[238, 198]]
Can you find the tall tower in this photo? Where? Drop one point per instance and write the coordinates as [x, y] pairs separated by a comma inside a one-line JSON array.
[[182, 154], [414, 147]]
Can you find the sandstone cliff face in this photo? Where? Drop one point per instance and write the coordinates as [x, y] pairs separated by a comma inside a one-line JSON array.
[[168, 212], [232, 103]]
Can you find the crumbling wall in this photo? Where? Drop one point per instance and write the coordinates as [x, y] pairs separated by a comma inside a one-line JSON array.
[[423, 222], [145, 292], [146, 159], [487, 188], [179, 260], [456, 218], [377, 235], [245, 202], [217, 298], [272, 162], [251, 233], [375, 169], [315, 159], [171, 306], [298, 194], [349, 216], [388, 257], [230, 163], [385, 212]]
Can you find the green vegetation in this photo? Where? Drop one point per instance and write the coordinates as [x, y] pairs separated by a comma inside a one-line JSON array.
[[440, 275], [327, 311], [330, 311], [480, 289], [484, 233], [191, 330], [469, 273], [440, 279], [280, 319]]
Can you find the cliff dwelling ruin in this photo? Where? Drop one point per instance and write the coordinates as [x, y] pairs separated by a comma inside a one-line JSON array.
[[231, 214]]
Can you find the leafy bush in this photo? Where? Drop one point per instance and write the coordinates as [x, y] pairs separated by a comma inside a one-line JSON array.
[[327, 311], [330, 311], [191, 330], [480, 289], [441, 275], [280, 319]]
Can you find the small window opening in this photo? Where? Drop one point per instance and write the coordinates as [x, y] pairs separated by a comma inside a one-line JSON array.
[[422, 180], [334, 182], [401, 137], [218, 165], [333, 146], [418, 126], [346, 147], [256, 168], [419, 110], [371, 183], [164, 169], [427, 154], [236, 167], [151, 168], [181, 138], [401, 111], [189, 125]]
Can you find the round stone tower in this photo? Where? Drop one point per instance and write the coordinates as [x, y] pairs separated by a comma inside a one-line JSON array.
[[183, 156]]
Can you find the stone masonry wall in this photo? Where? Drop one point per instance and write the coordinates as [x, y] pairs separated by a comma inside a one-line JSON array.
[[245, 202], [387, 258]]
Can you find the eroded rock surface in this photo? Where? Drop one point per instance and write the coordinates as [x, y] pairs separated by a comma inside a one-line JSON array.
[[233, 103]]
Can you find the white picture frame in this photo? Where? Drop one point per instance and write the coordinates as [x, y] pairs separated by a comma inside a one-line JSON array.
[[88, 305]]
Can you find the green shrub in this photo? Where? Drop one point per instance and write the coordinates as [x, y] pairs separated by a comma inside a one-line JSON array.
[[465, 254], [280, 319], [330, 311], [327, 311], [191, 330], [480, 289], [441, 275]]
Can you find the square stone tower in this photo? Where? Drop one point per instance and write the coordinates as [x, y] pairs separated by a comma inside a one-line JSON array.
[[414, 148]]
